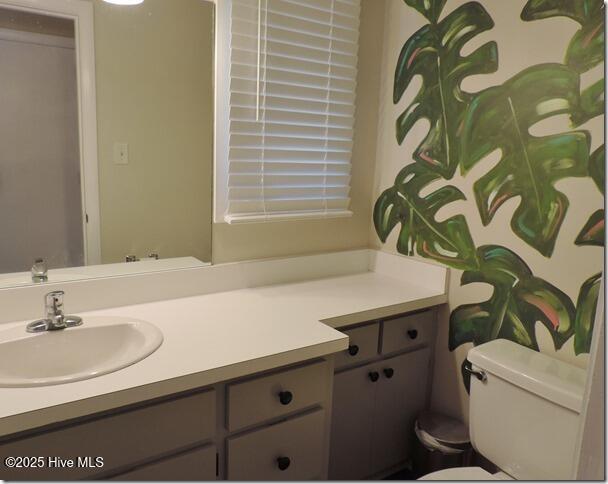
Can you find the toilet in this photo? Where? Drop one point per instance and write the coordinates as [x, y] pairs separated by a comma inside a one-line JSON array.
[[523, 414]]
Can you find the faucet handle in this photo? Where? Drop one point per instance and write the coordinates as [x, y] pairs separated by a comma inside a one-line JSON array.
[[53, 302], [39, 271]]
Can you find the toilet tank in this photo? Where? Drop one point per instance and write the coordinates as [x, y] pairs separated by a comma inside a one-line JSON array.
[[525, 416]]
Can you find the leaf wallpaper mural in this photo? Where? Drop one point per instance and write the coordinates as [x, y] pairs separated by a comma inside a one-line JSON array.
[[524, 183]]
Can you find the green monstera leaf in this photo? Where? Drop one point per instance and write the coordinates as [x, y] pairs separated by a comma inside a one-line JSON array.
[[448, 241], [431, 9], [586, 49], [433, 53], [593, 231], [586, 306], [500, 118], [518, 302]]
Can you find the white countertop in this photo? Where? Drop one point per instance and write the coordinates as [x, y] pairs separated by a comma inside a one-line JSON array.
[[221, 336]]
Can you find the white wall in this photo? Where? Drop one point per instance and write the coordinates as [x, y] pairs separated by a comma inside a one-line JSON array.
[[520, 45]]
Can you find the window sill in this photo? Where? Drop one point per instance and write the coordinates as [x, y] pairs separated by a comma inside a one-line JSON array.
[[235, 219]]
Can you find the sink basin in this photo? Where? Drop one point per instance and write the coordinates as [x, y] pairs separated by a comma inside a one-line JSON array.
[[101, 345]]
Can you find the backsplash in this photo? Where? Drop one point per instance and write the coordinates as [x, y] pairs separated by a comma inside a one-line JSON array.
[[499, 164]]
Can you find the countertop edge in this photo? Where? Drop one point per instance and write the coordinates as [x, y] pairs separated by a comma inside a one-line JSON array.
[[341, 322]]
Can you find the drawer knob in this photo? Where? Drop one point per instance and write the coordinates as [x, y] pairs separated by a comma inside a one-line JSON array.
[[373, 376], [412, 333], [388, 372], [353, 350], [285, 397], [283, 463]]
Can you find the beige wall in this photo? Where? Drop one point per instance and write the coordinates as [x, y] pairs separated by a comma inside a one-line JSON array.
[[154, 91], [249, 241], [520, 45]]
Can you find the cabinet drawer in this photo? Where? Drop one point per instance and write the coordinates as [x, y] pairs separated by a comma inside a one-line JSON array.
[[296, 444], [121, 439], [408, 331], [196, 465], [362, 344], [278, 394]]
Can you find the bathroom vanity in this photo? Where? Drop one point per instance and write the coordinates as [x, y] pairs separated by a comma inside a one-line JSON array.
[[275, 380]]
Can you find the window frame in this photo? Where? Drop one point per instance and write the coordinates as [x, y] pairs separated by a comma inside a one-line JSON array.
[[222, 134]]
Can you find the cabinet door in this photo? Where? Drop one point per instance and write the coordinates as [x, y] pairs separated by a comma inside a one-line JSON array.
[[351, 424], [401, 395], [196, 465]]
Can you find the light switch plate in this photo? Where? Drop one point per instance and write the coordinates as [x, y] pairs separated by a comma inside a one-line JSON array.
[[121, 153]]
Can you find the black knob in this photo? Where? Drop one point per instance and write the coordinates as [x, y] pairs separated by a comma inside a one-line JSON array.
[[388, 372], [283, 462], [373, 376], [285, 397], [412, 333], [353, 350]]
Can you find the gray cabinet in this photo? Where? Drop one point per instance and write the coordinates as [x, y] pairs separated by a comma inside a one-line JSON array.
[[278, 424], [352, 424], [286, 451], [122, 440], [194, 465], [375, 405], [399, 400], [236, 430]]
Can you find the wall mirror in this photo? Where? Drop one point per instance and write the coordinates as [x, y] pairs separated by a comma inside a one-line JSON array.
[[106, 132]]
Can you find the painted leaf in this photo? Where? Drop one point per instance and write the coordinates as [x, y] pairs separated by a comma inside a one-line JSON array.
[[518, 301], [431, 9], [591, 104], [433, 53], [585, 314], [500, 118], [448, 241], [593, 233], [597, 167], [586, 49]]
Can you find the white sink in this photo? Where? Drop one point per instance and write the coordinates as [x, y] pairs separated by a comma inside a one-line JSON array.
[[101, 345]]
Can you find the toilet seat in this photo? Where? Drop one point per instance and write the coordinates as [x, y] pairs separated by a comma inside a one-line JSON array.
[[464, 474]]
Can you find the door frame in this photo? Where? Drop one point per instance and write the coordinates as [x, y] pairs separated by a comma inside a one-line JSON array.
[[81, 13]]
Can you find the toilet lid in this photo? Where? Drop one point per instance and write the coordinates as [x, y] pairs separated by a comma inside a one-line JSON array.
[[459, 474]]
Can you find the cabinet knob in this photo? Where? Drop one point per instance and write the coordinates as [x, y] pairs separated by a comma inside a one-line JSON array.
[[388, 372], [373, 376], [283, 462], [353, 350], [412, 333], [285, 397]]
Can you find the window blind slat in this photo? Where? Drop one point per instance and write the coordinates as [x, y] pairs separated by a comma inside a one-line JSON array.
[[292, 81], [287, 168], [282, 90], [305, 79], [293, 65]]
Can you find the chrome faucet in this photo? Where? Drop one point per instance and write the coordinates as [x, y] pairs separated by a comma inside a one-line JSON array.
[[39, 271], [55, 319]]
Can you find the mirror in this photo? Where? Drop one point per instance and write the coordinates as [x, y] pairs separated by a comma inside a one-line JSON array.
[[99, 170]]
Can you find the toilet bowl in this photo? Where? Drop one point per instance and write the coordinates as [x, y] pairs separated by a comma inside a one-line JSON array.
[[524, 412]]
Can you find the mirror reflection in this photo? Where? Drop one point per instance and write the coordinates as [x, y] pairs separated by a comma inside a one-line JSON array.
[[107, 169]]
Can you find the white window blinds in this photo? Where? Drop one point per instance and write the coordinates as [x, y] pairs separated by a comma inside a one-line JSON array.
[[293, 67]]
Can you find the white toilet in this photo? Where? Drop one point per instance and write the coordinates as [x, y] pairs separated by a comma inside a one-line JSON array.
[[523, 414]]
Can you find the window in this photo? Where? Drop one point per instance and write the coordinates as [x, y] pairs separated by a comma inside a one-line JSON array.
[[285, 116]]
